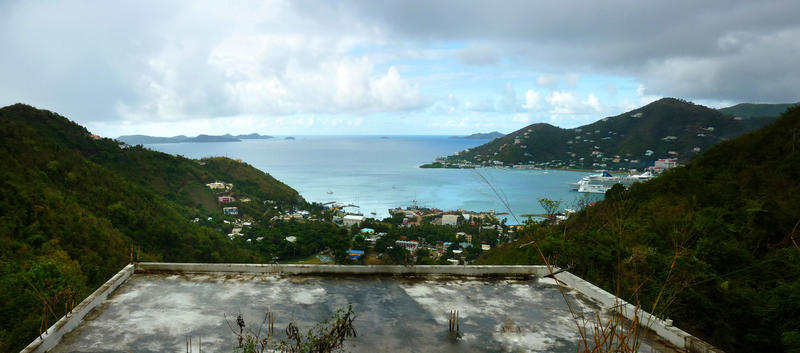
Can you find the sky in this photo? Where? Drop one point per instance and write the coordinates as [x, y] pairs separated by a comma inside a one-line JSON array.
[[166, 68]]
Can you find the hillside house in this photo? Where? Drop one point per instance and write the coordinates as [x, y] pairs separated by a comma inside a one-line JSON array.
[[226, 199], [230, 211], [218, 185]]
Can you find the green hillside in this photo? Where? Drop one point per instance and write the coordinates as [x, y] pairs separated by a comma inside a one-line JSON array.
[[667, 128], [715, 243], [72, 206], [750, 110]]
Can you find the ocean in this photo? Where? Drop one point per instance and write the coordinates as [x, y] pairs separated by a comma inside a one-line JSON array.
[[377, 173]]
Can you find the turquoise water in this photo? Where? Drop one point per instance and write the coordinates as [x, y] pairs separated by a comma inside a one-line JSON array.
[[378, 174]]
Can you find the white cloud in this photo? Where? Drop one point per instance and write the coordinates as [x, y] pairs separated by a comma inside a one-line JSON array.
[[593, 102], [531, 100], [391, 92], [567, 103]]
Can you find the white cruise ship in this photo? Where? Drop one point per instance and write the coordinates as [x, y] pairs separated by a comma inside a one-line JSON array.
[[600, 183]]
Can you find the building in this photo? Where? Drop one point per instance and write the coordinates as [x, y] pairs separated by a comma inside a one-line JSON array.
[[230, 211], [665, 163], [410, 245], [291, 239], [218, 185], [351, 220], [226, 199], [354, 254], [449, 220], [485, 247]]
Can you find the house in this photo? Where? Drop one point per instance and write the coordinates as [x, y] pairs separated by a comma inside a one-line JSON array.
[[354, 254], [351, 220], [410, 245], [291, 239], [449, 220], [485, 247], [367, 230], [217, 185], [665, 163], [226, 199], [230, 211]]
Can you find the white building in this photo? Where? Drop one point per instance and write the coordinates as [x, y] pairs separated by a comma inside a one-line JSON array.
[[665, 163], [409, 245], [351, 220], [449, 220]]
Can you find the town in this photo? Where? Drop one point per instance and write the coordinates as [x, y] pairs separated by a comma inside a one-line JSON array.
[[338, 233]]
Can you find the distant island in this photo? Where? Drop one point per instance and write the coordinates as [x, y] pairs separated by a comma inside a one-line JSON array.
[[289, 138], [480, 136], [144, 139]]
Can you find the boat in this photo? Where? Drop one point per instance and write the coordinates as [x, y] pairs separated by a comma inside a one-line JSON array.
[[600, 183], [330, 192]]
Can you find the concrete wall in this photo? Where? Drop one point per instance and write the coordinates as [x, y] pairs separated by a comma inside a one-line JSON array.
[[69, 322], [671, 334], [422, 270]]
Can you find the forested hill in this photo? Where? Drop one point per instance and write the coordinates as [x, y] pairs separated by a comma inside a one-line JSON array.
[[750, 110], [717, 241], [72, 205], [667, 128]]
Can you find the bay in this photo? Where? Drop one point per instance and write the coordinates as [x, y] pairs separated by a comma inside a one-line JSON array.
[[378, 173]]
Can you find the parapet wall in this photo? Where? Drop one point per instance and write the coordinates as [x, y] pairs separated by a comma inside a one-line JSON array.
[[69, 322], [671, 334], [389, 270]]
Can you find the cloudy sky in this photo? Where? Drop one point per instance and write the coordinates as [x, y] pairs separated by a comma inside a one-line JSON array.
[[378, 67]]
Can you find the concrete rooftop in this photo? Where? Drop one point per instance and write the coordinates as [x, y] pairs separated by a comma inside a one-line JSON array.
[[156, 312]]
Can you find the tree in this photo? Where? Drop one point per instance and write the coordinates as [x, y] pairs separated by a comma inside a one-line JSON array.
[[550, 207]]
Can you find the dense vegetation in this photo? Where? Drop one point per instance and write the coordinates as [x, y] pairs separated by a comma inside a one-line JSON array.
[[750, 110], [72, 206], [715, 245], [619, 142]]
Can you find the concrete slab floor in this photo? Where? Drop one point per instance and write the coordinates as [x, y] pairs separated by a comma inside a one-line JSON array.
[[156, 312]]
